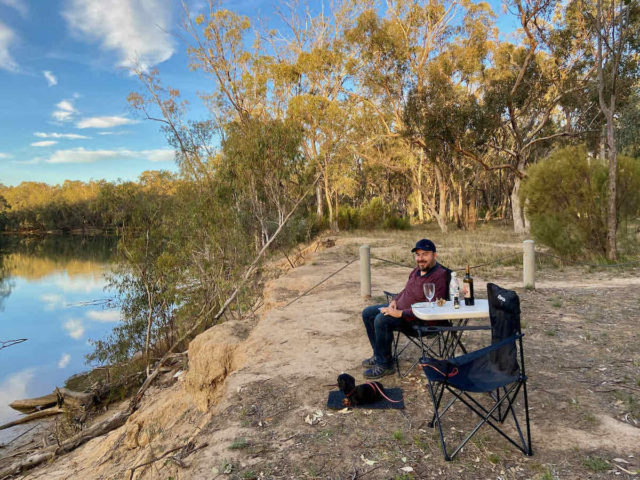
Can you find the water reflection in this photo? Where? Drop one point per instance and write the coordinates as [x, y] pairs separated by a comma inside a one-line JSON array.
[[48, 291]]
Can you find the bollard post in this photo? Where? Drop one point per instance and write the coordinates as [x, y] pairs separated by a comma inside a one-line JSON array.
[[529, 264], [365, 271]]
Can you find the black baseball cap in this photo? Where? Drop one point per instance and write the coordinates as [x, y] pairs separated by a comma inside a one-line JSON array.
[[424, 244]]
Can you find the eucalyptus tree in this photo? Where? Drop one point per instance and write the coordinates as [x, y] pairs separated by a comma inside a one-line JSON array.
[[449, 119], [529, 86], [311, 64], [400, 49], [611, 38]]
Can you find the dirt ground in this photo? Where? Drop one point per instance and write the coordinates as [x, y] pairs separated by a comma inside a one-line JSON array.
[[263, 413]]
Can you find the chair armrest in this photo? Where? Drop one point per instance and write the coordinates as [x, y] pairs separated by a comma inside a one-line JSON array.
[[470, 357], [390, 296]]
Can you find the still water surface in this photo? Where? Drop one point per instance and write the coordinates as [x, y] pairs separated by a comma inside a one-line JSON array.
[[48, 289]]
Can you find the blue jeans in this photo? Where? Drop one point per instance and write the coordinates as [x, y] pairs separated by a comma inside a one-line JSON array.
[[380, 330]]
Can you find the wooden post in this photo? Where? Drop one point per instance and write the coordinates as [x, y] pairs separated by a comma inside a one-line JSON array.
[[365, 271], [528, 264]]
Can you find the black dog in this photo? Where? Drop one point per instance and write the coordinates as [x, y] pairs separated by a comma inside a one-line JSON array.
[[361, 394]]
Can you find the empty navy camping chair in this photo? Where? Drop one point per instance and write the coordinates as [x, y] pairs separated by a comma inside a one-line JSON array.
[[497, 370]]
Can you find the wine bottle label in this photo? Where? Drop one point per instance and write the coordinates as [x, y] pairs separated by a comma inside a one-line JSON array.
[[467, 293]]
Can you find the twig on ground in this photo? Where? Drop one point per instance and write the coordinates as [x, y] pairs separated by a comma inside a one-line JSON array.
[[628, 387], [153, 460], [367, 472]]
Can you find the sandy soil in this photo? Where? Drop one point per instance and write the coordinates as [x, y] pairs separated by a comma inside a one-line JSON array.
[[244, 410]]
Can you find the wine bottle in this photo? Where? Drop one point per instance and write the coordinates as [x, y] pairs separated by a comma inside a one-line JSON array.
[[468, 288]]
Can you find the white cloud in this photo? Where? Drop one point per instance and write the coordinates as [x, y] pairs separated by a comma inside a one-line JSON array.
[[136, 30], [64, 360], [65, 110], [50, 77], [19, 5], [82, 155], [12, 388], [104, 316], [104, 122], [74, 327], [61, 115], [5, 155], [7, 37], [52, 301], [70, 136], [161, 155], [44, 143], [123, 132], [66, 105]]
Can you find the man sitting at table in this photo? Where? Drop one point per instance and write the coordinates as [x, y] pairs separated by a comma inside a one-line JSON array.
[[382, 320]]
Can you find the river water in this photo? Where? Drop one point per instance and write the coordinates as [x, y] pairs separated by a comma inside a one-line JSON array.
[[53, 293]]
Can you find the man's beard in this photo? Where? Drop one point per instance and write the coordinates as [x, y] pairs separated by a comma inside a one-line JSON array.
[[424, 267]]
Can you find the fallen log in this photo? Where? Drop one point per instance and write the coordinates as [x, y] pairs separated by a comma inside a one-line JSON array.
[[75, 399], [29, 405], [116, 420], [59, 397], [33, 416]]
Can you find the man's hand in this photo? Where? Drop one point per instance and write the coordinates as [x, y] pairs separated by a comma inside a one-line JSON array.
[[391, 310]]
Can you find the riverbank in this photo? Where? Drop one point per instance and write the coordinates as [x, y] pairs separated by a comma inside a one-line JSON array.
[[252, 402]]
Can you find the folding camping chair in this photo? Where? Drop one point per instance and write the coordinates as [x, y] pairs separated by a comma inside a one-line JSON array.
[[418, 334], [496, 370]]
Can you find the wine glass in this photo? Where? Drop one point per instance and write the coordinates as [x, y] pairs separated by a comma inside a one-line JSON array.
[[429, 291]]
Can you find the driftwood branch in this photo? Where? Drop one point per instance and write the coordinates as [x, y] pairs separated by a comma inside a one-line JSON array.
[[28, 405], [33, 416], [115, 421], [61, 396]]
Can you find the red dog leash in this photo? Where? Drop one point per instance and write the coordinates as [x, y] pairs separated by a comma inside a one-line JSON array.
[[453, 373], [376, 388]]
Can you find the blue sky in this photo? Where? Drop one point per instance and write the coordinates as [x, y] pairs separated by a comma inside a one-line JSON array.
[[65, 75]]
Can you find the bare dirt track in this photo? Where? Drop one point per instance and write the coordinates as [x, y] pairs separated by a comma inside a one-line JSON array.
[[252, 386]]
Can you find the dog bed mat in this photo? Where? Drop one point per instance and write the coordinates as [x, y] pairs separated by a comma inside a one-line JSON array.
[[336, 397]]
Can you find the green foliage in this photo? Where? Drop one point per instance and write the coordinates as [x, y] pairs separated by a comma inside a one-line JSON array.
[[348, 217], [372, 213], [395, 222], [566, 196], [597, 464], [239, 443]]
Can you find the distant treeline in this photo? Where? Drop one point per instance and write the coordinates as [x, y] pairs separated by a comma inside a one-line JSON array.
[[79, 207]]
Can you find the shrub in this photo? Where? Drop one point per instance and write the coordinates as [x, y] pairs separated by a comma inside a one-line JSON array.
[[348, 217], [395, 222], [566, 200], [372, 213]]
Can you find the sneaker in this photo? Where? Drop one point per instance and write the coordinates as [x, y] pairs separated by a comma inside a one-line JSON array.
[[369, 362], [378, 372]]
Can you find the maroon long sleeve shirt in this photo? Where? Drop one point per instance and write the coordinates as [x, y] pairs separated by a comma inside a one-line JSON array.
[[413, 292]]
